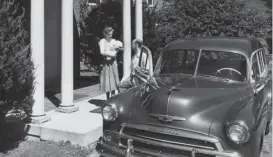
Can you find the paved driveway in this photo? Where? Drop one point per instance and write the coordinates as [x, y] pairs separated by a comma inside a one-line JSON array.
[[267, 147]]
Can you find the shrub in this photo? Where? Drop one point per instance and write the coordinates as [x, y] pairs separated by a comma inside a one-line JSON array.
[[16, 67]]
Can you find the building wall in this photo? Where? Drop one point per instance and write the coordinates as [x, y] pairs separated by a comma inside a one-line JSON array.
[[52, 43], [53, 47]]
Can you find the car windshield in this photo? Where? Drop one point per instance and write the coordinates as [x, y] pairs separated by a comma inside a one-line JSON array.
[[227, 65]]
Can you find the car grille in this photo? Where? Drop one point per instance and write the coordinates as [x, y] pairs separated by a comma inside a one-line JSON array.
[[177, 140]]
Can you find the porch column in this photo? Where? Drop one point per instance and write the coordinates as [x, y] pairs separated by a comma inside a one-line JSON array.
[[139, 20], [37, 49], [67, 78], [126, 38]]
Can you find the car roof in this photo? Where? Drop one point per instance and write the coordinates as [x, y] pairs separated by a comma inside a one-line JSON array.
[[240, 45]]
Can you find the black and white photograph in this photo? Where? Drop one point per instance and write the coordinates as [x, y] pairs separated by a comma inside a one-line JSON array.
[[136, 78]]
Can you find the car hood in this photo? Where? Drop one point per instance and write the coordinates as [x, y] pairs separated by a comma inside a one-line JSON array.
[[192, 103]]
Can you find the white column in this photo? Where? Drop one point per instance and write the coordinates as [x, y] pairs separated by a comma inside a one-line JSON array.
[[126, 38], [37, 50], [139, 20], [67, 78]]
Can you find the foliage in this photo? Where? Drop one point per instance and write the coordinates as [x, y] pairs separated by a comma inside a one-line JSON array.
[[109, 14], [87, 40], [184, 19], [16, 67], [178, 19], [94, 21]]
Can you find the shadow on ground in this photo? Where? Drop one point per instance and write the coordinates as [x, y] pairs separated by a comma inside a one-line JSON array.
[[53, 98], [80, 82], [96, 102], [85, 81]]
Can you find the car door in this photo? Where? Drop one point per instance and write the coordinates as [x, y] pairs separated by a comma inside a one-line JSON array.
[[140, 73], [260, 84], [141, 69], [267, 80]]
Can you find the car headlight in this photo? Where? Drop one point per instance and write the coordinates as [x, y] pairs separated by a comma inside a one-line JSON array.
[[109, 113], [238, 132]]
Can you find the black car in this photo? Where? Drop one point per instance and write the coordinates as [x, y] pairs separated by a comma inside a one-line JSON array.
[[206, 97]]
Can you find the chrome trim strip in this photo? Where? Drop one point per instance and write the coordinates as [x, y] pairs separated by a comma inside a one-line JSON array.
[[172, 142], [113, 147], [170, 118], [173, 131], [121, 151]]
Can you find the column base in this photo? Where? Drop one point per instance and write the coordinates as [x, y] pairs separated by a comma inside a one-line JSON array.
[[67, 109], [38, 119]]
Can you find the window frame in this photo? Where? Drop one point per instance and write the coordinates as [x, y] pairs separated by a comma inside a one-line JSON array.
[[253, 60], [263, 74], [264, 56], [258, 52]]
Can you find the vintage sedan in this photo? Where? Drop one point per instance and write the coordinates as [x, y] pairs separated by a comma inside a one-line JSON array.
[[206, 97]]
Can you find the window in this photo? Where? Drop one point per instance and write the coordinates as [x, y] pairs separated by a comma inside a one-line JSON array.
[[179, 61], [222, 64], [265, 57], [226, 65], [262, 61], [93, 2], [255, 67]]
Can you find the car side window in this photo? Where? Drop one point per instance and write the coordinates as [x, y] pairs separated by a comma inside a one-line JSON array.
[[255, 68], [143, 59], [261, 61], [264, 57]]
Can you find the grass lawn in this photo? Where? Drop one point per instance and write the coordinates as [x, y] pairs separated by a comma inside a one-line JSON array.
[[46, 149]]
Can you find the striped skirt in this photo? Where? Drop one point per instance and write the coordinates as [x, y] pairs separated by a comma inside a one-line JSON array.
[[109, 78]]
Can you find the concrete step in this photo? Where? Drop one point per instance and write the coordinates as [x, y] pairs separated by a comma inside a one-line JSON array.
[[81, 128]]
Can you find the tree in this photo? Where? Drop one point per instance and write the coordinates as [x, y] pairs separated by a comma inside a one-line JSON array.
[[16, 67], [184, 19], [109, 13], [105, 14]]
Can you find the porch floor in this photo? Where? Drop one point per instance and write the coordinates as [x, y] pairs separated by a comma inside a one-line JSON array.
[[83, 127], [52, 100]]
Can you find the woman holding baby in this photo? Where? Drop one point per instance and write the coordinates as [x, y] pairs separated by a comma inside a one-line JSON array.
[[109, 48]]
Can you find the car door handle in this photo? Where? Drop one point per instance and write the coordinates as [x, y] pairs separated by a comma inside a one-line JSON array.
[[259, 87]]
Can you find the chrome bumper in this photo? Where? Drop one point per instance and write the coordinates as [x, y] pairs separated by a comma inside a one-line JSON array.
[[113, 149]]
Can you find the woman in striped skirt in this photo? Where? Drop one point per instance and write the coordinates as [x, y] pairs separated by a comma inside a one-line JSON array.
[[109, 48]]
